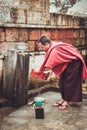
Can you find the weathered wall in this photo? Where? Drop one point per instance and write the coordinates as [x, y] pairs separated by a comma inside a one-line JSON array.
[[10, 36], [27, 20], [24, 12]]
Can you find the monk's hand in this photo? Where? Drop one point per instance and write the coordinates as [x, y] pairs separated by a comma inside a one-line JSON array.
[[51, 75], [47, 71]]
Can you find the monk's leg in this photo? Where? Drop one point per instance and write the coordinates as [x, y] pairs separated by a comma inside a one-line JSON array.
[[71, 82]]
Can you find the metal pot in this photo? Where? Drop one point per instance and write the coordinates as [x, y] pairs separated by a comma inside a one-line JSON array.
[[21, 46]]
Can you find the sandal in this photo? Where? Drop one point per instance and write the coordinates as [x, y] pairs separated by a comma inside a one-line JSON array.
[[57, 104], [63, 107]]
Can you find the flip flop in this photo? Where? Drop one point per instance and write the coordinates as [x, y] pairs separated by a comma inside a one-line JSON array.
[[63, 107], [57, 104]]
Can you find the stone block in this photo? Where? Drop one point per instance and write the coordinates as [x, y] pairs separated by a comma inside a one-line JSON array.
[[22, 14], [12, 34], [69, 41], [5, 14], [25, 4], [45, 32], [45, 19], [5, 46], [2, 34], [59, 20], [82, 33], [77, 42], [18, 15], [70, 21], [54, 34], [36, 6], [47, 5], [9, 3], [31, 45], [1, 15], [23, 35], [72, 33], [75, 34], [6, 8], [80, 41], [33, 17], [14, 15], [73, 41], [34, 34], [64, 20], [53, 19], [76, 21], [62, 34]]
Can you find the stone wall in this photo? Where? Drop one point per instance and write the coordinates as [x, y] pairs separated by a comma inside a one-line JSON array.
[[10, 36], [27, 20], [24, 12]]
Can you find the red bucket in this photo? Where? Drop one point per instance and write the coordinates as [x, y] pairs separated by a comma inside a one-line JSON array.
[[39, 74]]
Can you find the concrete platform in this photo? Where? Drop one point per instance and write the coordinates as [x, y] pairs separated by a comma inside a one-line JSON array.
[[23, 118]]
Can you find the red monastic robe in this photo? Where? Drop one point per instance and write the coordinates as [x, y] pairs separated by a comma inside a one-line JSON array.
[[59, 55]]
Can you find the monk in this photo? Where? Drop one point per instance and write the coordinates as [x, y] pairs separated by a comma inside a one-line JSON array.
[[67, 63]]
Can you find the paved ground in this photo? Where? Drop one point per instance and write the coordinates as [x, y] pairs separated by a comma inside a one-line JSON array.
[[74, 118]]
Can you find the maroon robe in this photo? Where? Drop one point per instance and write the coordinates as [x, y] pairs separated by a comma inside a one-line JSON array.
[[71, 82], [67, 62]]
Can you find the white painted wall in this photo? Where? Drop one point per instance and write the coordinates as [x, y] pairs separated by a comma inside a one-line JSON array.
[[35, 61]]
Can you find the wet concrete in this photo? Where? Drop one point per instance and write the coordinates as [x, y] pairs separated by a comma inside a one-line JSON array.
[[23, 118]]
